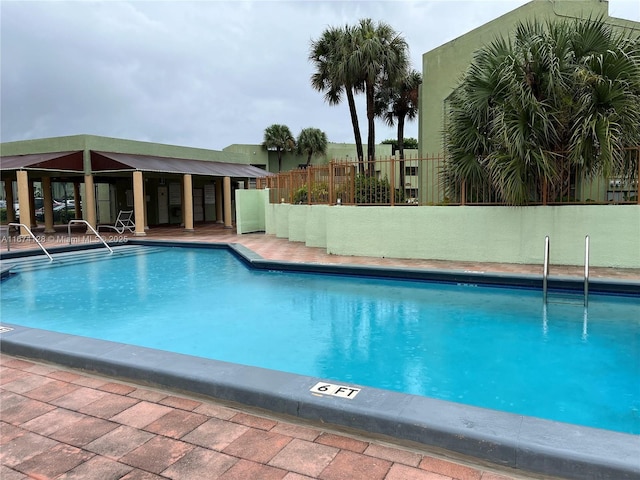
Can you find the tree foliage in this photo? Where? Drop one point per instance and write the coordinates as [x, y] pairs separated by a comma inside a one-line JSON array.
[[358, 59], [279, 138], [398, 102], [410, 143], [557, 98], [380, 57], [333, 76], [312, 141]]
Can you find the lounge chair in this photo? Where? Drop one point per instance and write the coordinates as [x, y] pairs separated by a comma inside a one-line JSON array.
[[123, 222]]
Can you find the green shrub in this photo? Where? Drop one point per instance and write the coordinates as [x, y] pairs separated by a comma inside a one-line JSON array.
[[300, 195], [319, 194], [370, 190]]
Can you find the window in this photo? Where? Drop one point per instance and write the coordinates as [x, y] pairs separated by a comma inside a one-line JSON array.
[[411, 171]]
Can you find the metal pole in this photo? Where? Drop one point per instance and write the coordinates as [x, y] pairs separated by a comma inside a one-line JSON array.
[[545, 269], [586, 270]]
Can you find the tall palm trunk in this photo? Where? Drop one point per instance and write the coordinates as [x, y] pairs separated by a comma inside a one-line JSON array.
[[371, 137], [401, 150], [356, 127]]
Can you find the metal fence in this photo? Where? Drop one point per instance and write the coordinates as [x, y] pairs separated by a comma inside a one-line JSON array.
[[420, 181]]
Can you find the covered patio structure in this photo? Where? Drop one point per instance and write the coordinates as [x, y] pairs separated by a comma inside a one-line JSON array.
[[162, 184]]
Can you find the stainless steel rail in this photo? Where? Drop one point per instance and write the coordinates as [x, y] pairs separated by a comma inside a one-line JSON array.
[[545, 269], [32, 236], [90, 228], [586, 270]]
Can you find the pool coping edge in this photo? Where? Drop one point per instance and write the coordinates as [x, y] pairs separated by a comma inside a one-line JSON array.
[[511, 440]]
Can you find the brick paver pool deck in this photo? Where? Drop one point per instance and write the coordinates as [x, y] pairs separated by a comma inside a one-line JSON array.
[[57, 423]]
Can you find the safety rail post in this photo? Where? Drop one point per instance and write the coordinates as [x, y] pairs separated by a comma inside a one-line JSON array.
[[392, 200], [586, 271], [32, 236], [309, 189], [90, 228], [545, 269], [638, 177], [332, 179]]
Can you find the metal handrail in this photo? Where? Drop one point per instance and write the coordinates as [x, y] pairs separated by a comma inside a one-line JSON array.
[[586, 270], [90, 228], [32, 236], [545, 269]]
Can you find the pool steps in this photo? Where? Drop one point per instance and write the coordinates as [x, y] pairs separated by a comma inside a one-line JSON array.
[[25, 264]]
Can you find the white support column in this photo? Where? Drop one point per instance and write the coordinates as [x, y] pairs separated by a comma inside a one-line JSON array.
[[138, 203], [187, 201], [23, 198], [47, 195], [89, 202], [227, 203]]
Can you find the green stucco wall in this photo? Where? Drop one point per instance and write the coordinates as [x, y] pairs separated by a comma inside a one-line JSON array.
[[250, 210], [292, 160], [479, 234], [443, 66], [316, 228]]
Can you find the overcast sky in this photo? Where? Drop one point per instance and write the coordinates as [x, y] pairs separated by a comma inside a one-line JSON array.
[[204, 74]]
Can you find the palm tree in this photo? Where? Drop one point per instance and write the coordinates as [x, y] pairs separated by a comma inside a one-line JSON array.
[[279, 138], [312, 141], [329, 54], [558, 98], [399, 101], [380, 56]]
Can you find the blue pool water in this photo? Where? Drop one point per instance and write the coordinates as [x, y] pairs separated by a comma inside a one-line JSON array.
[[490, 347]]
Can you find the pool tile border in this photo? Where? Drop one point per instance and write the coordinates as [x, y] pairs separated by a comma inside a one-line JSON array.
[[516, 441]]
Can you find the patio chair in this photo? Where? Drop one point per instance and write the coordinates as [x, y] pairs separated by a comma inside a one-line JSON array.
[[123, 222]]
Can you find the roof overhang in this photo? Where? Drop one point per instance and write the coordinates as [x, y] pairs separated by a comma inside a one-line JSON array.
[[57, 161], [114, 162]]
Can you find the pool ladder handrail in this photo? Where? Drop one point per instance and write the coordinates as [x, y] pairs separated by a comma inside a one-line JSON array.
[[90, 228], [32, 236], [545, 270], [586, 271]]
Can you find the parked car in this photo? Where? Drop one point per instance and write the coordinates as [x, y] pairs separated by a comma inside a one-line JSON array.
[[59, 209]]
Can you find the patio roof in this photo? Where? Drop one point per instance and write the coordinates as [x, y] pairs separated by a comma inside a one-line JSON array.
[[58, 161], [107, 161]]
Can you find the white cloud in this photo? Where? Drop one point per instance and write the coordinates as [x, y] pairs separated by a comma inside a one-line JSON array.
[[198, 73]]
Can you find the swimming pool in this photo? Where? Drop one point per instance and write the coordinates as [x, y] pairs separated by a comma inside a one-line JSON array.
[[485, 346], [509, 439]]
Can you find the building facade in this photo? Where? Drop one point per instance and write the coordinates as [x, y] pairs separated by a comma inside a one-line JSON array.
[[443, 66]]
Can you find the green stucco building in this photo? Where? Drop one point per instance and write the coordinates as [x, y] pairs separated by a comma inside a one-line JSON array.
[[443, 67]]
